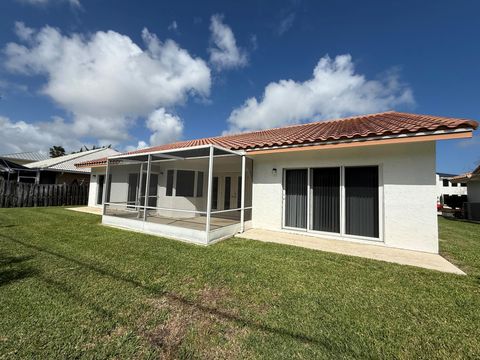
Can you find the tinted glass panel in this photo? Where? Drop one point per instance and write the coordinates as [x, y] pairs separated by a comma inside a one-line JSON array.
[[239, 192], [361, 201], [215, 193], [228, 185], [326, 199], [185, 183], [296, 198], [169, 183], [101, 182], [132, 189], [200, 184]]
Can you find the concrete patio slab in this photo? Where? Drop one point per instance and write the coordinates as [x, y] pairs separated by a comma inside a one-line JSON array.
[[376, 252], [87, 209]]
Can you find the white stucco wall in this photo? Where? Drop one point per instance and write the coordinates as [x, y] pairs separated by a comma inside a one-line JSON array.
[[92, 192], [407, 189]]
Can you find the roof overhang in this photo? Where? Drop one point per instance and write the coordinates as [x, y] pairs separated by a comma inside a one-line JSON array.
[[370, 141]]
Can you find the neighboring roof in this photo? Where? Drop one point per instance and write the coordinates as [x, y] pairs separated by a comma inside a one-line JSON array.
[[31, 156], [67, 162], [356, 127], [445, 175], [9, 166], [475, 174]]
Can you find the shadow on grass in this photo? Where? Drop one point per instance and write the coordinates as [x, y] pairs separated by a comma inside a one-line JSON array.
[[207, 310], [10, 275]]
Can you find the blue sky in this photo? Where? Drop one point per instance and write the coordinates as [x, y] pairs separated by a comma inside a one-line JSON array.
[[145, 72]]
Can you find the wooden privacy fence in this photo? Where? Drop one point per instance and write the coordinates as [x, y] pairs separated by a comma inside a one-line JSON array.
[[14, 194]]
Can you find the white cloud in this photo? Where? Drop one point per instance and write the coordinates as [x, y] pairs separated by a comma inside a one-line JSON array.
[[105, 80], [335, 90], [173, 26], [74, 3], [18, 136], [224, 54], [285, 24], [166, 127]]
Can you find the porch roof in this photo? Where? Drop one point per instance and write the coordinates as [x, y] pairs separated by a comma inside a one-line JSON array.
[[180, 153]]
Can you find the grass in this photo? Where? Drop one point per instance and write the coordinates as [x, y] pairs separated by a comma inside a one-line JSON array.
[[71, 288]]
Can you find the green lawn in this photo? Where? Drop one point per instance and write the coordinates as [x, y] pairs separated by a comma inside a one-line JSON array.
[[71, 288]]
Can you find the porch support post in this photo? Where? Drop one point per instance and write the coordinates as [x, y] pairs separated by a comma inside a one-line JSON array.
[[147, 186], [139, 190], [242, 199], [209, 191], [105, 188]]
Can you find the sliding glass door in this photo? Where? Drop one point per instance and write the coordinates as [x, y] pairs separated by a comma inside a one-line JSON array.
[[296, 183], [326, 199], [330, 202], [361, 201]]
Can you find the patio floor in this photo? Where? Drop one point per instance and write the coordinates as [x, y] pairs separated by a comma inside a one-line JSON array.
[[376, 252], [87, 209], [194, 223]]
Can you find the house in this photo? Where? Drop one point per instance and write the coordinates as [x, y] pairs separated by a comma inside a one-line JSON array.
[[445, 188], [62, 169], [472, 180], [23, 158], [368, 179]]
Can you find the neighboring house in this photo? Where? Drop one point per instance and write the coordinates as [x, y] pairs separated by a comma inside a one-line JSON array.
[[472, 180], [446, 187], [368, 179], [62, 169], [24, 157]]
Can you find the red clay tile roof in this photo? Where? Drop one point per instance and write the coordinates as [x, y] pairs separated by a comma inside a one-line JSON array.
[[362, 126]]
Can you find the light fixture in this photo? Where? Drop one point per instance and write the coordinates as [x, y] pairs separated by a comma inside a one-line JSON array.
[[274, 171]]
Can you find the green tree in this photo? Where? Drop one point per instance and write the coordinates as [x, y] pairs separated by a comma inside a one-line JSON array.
[[56, 151]]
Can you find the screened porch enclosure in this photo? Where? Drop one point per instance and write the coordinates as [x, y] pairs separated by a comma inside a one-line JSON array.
[[199, 194]]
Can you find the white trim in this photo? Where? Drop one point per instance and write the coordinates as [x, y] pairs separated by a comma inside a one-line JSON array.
[[188, 148], [147, 186], [105, 186], [209, 191], [242, 194]]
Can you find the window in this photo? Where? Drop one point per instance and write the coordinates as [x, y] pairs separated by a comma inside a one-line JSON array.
[[169, 183], [226, 200], [463, 184], [185, 183], [200, 184], [361, 201], [215, 193], [239, 192], [445, 182], [101, 188], [100, 183]]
